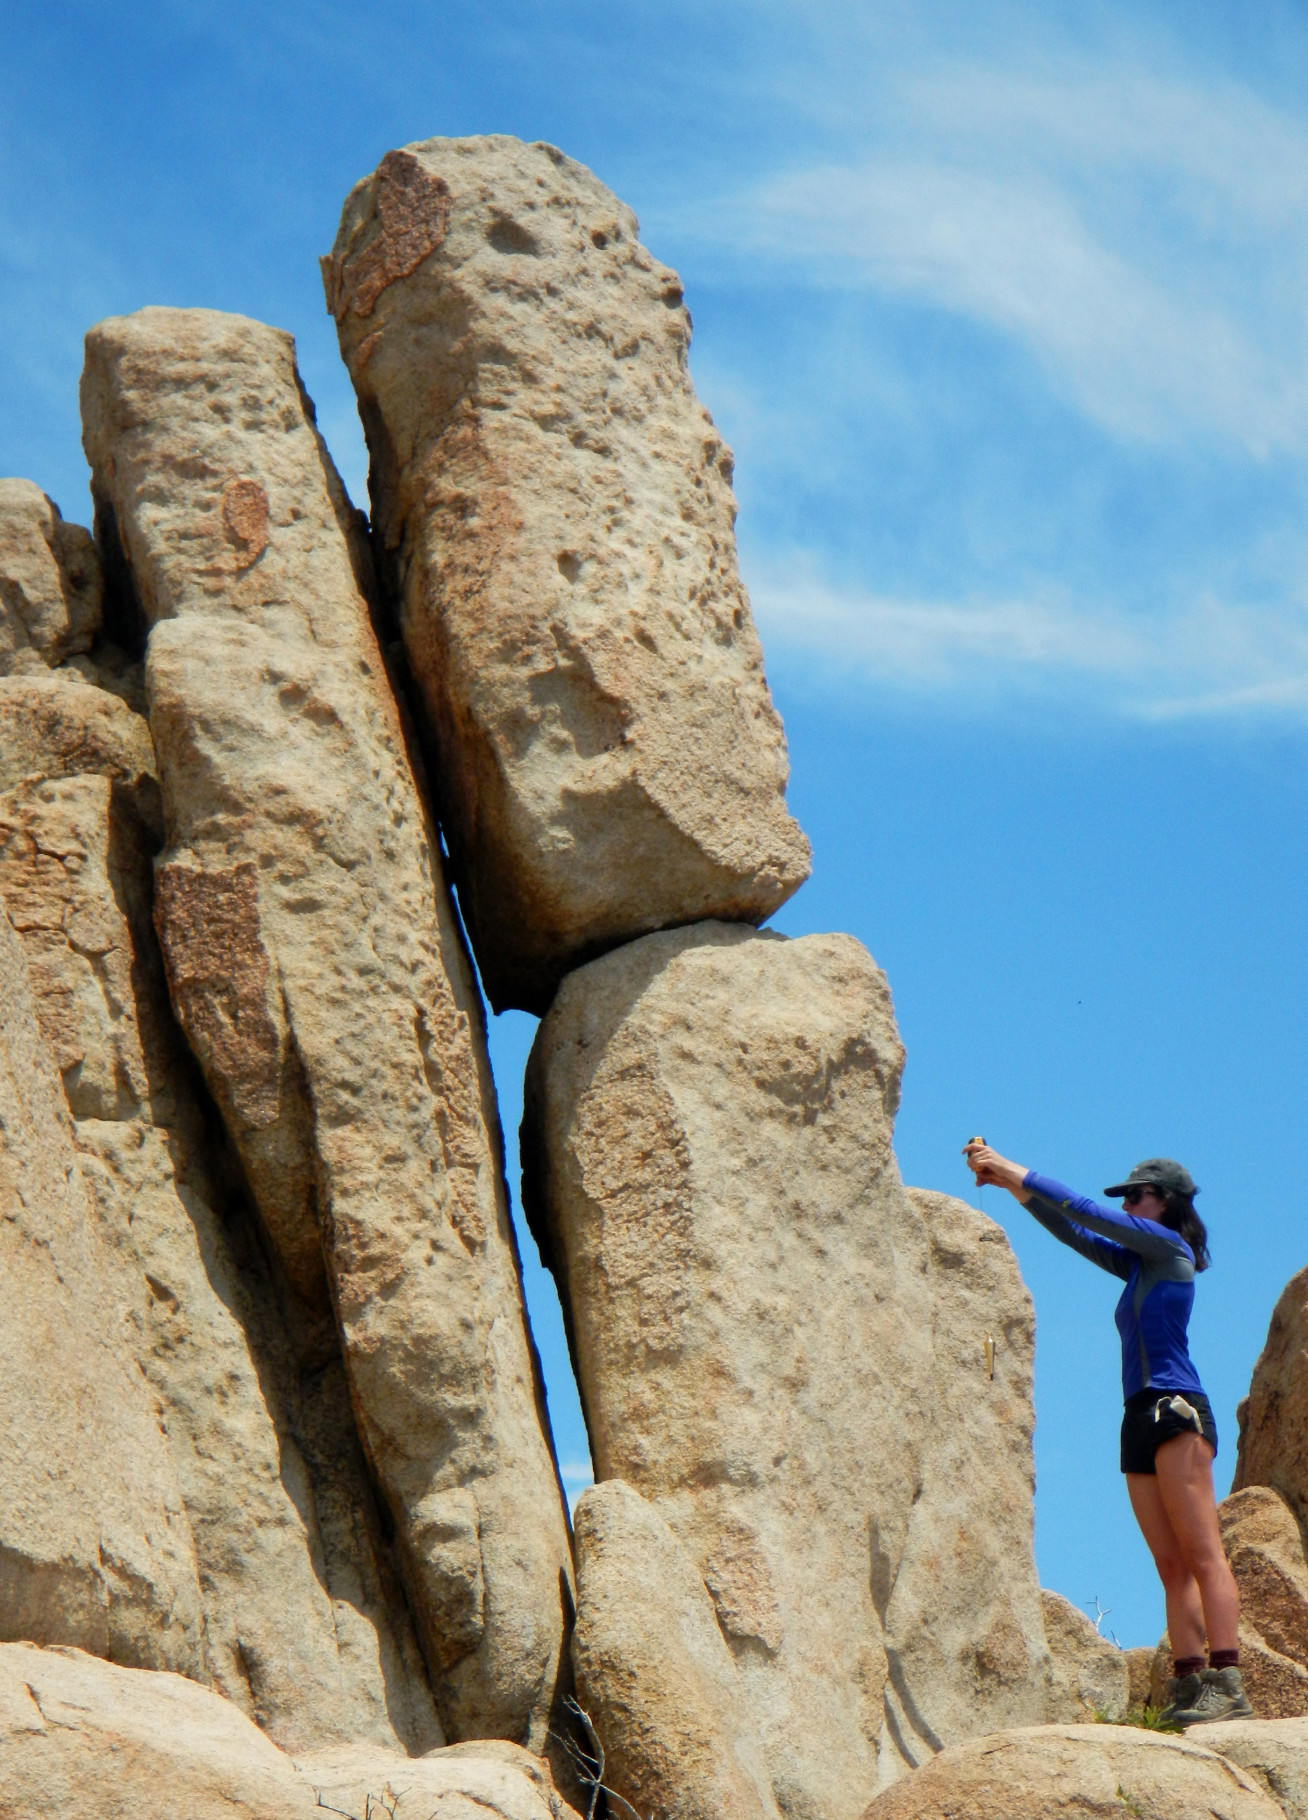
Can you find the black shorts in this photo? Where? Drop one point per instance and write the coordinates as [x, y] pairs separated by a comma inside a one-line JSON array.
[[1142, 1435]]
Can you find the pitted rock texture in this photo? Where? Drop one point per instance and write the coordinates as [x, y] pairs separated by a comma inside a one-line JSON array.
[[1091, 1676], [1273, 1752], [51, 588], [1274, 1417], [315, 966], [1078, 1772], [95, 1548], [555, 511], [79, 1737], [1265, 1549], [304, 1625], [654, 1672], [750, 1293]]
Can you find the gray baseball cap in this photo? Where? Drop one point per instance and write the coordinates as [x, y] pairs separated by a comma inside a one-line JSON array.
[[1162, 1172]]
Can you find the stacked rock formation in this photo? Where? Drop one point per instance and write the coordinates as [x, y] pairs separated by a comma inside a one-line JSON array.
[[554, 512], [281, 1526]]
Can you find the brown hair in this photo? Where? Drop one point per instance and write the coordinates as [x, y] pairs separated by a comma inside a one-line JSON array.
[[1179, 1213]]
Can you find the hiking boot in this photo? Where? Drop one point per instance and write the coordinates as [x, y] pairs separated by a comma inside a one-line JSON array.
[[1181, 1696], [1221, 1696]]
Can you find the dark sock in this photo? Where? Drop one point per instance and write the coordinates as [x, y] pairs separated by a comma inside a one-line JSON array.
[[1187, 1665], [1223, 1658]]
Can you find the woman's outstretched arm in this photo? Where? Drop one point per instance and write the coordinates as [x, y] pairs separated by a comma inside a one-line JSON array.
[[989, 1167]]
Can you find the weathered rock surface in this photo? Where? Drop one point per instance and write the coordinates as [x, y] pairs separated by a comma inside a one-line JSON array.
[[1078, 1772], [1274, 1417], [654, 1672], [556, 513], [315, 966], [51, 589], [305, 1627], [1274, 1753], [1091, 1675], [750, 1293], [79, 1737], [964, 1624], [95, 1549], [1140, 1670], [1264, 1547], [465, 1782]]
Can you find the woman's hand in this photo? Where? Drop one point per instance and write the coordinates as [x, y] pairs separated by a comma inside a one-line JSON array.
[[989, 1167]]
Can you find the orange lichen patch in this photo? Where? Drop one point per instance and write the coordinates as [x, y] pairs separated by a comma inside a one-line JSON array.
[[245, 518], [412, 207]]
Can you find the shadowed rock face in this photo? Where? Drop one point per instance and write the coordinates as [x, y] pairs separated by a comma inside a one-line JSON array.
[[314, 964], [750, 1293], [304, 1626], [654, 1672], [555, 514], [95, 1549]]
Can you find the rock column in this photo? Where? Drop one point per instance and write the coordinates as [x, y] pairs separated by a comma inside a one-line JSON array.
[[555, 512], [315, 967], [752, 1296], [304, 1625]]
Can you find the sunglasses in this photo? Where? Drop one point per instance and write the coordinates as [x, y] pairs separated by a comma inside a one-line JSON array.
[[1134, 1196]]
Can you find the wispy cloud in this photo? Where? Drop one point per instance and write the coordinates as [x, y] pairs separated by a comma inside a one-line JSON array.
[[1208, 659], [1146, 240]]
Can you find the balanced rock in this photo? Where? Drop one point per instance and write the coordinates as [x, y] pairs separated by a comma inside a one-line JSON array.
[[51, 588], [1078, 1772], [95, 1548], [315, 966], [1091, 1676], [556, 513], [1274, 1417], [305, 1627], [749, 1293], [79, 1737], [653, 1670], [1274, 1752]]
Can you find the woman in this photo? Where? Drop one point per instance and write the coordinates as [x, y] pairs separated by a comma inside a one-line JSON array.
[[1169, 1439]]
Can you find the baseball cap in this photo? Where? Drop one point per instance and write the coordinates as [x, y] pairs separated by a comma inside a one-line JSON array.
[[1162, 1172]]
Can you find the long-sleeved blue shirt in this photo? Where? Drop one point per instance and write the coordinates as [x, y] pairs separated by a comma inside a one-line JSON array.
[[1158, 1265]]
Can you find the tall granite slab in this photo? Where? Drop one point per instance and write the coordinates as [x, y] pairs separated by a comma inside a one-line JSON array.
[[752, 1299], [315, 966], [95, 1547], [304, 1624], [554, 511]]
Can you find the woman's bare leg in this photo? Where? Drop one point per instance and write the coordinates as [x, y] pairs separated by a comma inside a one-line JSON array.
[[1185, 1612], [1184, 1467]]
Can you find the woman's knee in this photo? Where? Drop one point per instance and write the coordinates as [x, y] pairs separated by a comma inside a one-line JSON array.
[[1173, 1570]]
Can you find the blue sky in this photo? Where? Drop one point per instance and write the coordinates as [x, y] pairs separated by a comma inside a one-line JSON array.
[[1004, 309]]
